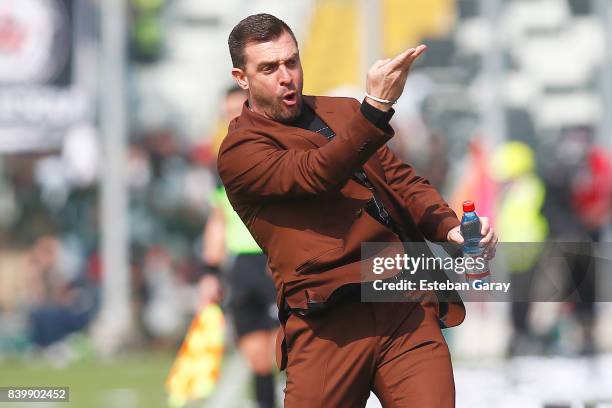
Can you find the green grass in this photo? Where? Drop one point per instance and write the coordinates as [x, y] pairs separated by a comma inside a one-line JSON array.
[[128, 382]]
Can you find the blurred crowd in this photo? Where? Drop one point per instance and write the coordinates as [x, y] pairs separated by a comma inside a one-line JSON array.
[[50, 236]]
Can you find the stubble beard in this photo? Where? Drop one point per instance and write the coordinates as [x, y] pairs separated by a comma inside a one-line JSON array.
[[275, 109]]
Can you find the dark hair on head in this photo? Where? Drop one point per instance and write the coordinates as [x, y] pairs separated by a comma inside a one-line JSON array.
[[255, 28]]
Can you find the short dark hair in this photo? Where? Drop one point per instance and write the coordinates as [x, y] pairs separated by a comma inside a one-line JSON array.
[[255, 28]]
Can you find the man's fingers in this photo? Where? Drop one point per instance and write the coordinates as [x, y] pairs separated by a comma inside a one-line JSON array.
[[417, 53], [406, 58], [401, 59], [489, 241], [487, 232], [487, 237], [484, 225], [419, 50], [454, 235], [458, 238], [490, 249]]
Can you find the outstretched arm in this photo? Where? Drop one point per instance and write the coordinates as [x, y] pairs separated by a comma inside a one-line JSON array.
[[420, 199], [253, 167]]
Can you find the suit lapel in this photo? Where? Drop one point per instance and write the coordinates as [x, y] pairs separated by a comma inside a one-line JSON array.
[[316, 139], [328, 113]]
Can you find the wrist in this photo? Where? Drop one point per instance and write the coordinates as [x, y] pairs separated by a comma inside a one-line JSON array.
[[377, 117], [385, 107]]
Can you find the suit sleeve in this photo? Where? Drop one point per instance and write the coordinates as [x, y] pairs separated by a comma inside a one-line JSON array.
[[255, 168], [420, 199]]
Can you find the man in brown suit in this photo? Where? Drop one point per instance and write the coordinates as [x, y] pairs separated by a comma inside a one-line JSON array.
[[312, 179]]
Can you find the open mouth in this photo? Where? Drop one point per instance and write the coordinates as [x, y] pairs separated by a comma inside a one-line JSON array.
[[290, 98]]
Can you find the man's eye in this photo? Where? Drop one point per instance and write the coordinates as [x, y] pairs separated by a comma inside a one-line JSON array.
[[268, 69], [291, 63]]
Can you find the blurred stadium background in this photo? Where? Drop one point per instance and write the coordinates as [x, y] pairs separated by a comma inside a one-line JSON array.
[[109, 114]]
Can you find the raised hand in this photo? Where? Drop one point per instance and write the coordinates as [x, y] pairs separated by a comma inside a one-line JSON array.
[[386, 78]]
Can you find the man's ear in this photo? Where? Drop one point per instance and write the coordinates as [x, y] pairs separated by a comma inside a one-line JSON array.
[[240, 78]]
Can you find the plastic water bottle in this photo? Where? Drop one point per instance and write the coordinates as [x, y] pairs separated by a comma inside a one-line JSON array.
[[470, 229]]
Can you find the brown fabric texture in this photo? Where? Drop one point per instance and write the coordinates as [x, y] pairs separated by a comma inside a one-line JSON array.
[[395, 350], [293, 189]]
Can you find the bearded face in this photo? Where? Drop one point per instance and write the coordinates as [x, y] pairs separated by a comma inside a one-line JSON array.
[[273, 77]]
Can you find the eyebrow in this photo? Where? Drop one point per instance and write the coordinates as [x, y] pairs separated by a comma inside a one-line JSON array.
[[264, 63]]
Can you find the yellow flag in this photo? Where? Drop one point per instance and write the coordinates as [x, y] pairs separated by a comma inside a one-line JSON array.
[[197, 367]]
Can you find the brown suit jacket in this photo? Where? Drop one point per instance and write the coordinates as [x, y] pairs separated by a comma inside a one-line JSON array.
[[294, 191]]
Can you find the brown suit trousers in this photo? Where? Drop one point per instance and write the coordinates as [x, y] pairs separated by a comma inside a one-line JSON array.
[[394, 349]]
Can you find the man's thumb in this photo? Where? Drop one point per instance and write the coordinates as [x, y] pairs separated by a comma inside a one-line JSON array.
[[455, 236]]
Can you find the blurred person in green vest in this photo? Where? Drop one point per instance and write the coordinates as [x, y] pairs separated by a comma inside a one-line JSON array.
[[520, 221], [251, 293]]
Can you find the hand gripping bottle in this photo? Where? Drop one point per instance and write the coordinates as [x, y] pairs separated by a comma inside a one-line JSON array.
[[476, 266]]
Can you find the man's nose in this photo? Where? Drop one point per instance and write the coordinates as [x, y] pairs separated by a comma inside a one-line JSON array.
[[285, 77]]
